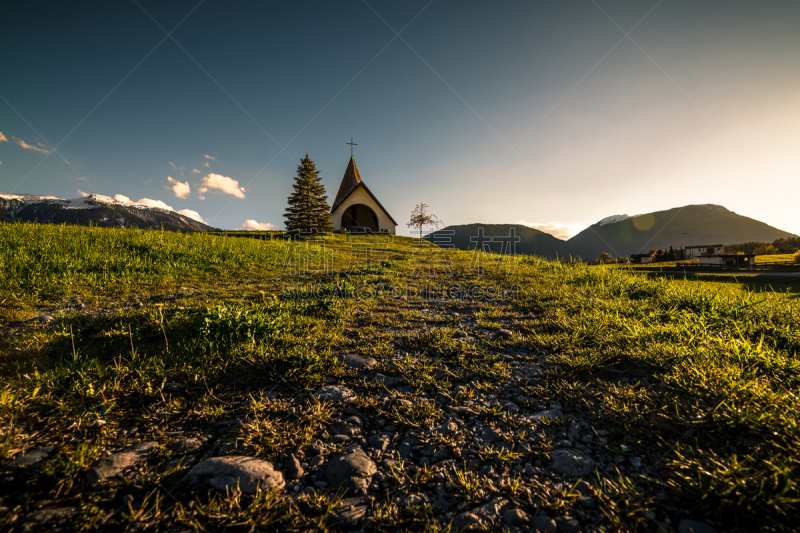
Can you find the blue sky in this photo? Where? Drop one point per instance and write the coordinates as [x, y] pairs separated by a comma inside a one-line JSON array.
[[489, 112]]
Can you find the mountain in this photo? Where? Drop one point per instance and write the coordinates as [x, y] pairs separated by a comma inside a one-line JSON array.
[[496, 236], [95, 209], [707, 224], [622, 234]]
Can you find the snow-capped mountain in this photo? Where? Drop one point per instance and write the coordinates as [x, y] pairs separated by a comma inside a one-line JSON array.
[[94, 209]]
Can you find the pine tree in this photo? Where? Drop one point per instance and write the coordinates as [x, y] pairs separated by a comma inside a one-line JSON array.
[[308, 207]]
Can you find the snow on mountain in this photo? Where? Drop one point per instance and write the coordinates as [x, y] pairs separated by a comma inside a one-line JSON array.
[[612, 219], [99, 210]]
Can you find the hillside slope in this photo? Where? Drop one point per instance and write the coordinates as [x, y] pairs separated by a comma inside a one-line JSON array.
[[532, 241], [708, 224], [96, 210]]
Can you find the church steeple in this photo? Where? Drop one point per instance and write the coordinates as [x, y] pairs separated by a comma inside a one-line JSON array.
[[350, 181]]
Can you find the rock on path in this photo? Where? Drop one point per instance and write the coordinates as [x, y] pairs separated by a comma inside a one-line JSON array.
[[351, 469], [29, 458], [187, 445], [358, 362], [349, 513], [481, 517], [691, 526], [335, 393], [114, 464], [544, 524], [248, 473], [54, 516], [571, 463]]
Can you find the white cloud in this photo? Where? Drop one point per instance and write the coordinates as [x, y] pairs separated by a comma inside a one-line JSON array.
[[222, 184], [3, 137], [31, 147], [122, 198], [147, 202], [195, 171], [557, 229], [209, 157], [194, 215], [206, 165], [84, 194], [181, 190], [256, 226]]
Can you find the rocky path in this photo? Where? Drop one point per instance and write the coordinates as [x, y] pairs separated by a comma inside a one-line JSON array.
[[453, 439]]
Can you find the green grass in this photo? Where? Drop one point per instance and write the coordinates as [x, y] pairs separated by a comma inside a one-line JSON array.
[[705, 372], [774, 258]]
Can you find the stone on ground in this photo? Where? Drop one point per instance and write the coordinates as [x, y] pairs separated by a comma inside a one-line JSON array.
[[351, 469], [113, 465], [571, 463], [55, 516], [567, 524], [516, 517], [550, 413], [443, 429], [29, 458], [188, 445], [481, 517], [250, 474], [349, 512], [543, 524], [358, 362], [692, 526], [335, 393], [293, 468], [380, 442]]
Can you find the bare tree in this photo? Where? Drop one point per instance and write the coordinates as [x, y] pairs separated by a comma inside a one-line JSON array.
[[421, 218]]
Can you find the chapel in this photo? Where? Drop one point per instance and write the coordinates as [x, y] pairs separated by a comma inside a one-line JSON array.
[[358, 210]]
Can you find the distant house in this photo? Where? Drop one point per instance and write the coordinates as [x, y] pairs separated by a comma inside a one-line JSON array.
[[642, 258], [729, 260], [705, 250]]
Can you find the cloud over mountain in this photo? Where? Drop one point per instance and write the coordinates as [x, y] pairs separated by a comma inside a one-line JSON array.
[[557, 229], [148, 202], [194, 215], [181, 190]]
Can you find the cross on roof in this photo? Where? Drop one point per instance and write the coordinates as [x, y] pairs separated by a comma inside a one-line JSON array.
[[351, 143]]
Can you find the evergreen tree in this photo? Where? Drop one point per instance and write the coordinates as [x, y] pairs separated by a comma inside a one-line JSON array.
[[308, 206]]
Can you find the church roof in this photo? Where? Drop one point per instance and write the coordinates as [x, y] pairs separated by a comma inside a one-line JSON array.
[[350, 182]]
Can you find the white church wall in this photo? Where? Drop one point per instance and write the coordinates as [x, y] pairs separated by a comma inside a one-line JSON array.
[[360, 196]]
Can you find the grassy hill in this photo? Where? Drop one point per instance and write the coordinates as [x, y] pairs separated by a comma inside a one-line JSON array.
[[708, 224], [458, 388]]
